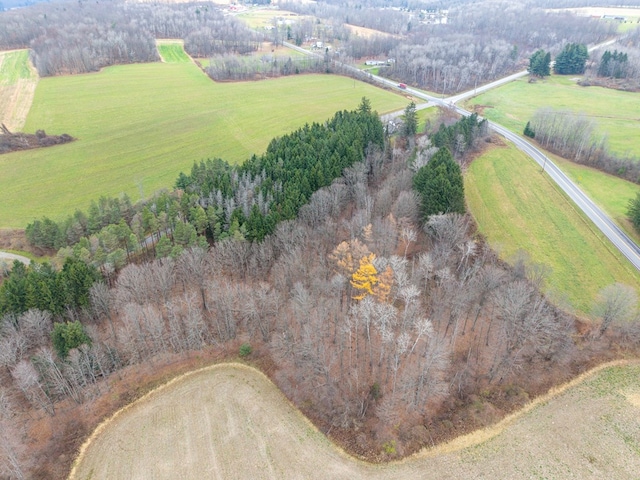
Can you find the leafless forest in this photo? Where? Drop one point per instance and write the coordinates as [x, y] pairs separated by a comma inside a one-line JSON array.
[[378, 328], [479, 43], [68, 38]]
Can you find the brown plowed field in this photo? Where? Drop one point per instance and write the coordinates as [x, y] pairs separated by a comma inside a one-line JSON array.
[[229, 421]]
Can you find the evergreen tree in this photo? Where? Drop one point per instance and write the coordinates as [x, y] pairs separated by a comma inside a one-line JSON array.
[[528, 131], [572, 59], [365, 106], [440, 185], [633, 212], [163, 247], [66, 336], [410, 119], [539, 63]]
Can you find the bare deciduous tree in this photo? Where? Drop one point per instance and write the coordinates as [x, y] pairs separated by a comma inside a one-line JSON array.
[[617, 304]]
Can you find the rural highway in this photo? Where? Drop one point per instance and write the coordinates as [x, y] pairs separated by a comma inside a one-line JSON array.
[[614, 233]]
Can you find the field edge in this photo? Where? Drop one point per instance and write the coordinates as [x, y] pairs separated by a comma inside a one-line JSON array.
[[471, 439]]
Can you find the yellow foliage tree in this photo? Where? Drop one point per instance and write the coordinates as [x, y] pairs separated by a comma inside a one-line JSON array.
[[347, 255], [382, 289], [365, 278]]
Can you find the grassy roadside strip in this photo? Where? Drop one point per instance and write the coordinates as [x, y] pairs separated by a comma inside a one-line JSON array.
[[518, 208], [610, 193], [513, 104]]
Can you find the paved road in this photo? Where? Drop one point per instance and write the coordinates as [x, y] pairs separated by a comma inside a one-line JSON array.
[[614, 233], [621, 240], [10, 257], [510, 78]]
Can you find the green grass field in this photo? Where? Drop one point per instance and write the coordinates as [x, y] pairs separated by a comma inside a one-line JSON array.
[[139, 125], [14, 66], [610, 193], [519, 208], [172, 52], [617, 113], [260, 18]]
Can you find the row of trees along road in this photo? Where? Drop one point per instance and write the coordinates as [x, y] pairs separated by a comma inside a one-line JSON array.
[[571, 60], [574, 137], [372, 314]]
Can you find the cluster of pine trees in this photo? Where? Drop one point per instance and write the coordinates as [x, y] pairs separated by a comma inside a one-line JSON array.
[[572, 59], [613, 64], [41, 287], [540, 63], [216, 200], [462, 135]]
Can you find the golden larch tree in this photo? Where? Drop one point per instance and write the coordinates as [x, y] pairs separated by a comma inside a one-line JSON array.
[[365, 278]]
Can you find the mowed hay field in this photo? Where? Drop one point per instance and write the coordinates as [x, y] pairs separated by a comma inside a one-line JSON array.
[[18, 82], [230, 422], [616, 113], [138, 126], [519, 208]]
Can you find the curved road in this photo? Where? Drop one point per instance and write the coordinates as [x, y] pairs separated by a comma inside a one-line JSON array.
[[10, 257], [614, 233]]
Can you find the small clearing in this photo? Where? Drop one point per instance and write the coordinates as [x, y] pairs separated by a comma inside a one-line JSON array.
[[18, 81], [230, 421], [369, 32], [172, 51]]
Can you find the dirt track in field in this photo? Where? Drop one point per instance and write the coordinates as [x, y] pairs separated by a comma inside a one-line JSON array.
[[229, 421], [16, 100]]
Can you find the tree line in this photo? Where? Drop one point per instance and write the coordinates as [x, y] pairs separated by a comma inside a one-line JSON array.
[[215, 200], [234, 68], [574, 137], [383, 19], [78, 37], [616, 66]]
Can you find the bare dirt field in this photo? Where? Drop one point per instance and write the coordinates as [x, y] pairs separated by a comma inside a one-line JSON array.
[[229, 421]]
